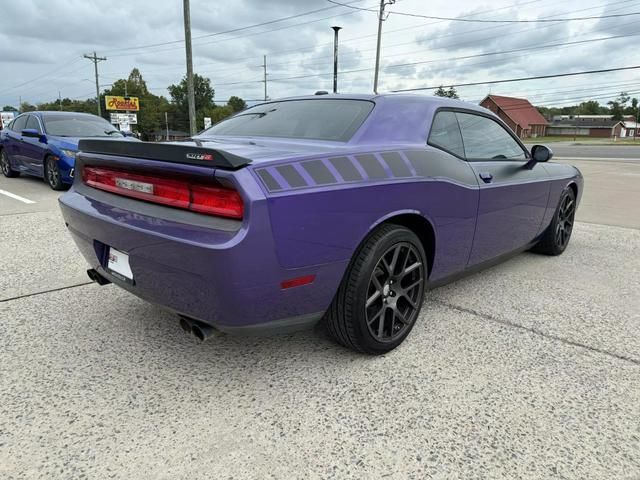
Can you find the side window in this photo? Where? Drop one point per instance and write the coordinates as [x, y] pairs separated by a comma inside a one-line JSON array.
[[486, 139], [445, 133], [32, 122], [19, 123]]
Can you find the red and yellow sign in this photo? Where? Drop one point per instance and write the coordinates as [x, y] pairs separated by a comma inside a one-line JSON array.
[[121, 103]]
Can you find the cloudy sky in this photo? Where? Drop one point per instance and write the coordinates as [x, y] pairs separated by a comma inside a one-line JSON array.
[[42, 42]]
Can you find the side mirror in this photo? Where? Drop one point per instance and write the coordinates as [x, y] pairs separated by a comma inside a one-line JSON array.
[[33, 133], [539, 153]]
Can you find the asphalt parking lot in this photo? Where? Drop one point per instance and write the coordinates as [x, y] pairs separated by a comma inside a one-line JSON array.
[[528, 370]]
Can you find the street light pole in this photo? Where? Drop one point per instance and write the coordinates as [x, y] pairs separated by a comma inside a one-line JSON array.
[[190, 90], [383, 3], [335, 58]]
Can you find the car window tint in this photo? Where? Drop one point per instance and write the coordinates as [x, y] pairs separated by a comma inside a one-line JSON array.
[[19, 123], [78, 125], [327, 119], [445, 133], [32, 123], [486, 139]]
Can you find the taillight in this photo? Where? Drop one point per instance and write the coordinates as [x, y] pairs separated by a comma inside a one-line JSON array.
[[201, 198]]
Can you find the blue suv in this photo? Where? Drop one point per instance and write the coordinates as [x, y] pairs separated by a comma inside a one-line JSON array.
[[44, 144]]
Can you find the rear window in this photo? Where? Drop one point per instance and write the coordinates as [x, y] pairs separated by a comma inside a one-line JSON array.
[[81, 125], [330, 119]]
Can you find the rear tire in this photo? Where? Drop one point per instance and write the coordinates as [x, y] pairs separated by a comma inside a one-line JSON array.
[[52, 174], [556, 237], [5, 166], [381, 294]]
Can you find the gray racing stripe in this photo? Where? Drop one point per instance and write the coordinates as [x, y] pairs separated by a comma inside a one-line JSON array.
[[345, 168], [435, 163], [319, 172], [268, 180], [396, 164], [371, 166], [291, 175]]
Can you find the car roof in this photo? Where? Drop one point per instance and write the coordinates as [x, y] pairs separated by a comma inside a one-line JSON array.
[[389, 98], [59, 113]]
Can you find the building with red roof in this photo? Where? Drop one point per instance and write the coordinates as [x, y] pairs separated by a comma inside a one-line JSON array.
[[522, 117]]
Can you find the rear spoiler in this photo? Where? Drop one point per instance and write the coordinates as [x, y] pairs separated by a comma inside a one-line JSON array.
[[165, 152]]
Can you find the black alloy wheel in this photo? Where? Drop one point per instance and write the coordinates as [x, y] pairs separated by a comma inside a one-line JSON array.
[[380, 296], [394, 291], [7, 171], [555, 238], [564, 225]]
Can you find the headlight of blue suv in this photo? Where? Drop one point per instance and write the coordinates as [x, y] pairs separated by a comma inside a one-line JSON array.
[[68, 153]]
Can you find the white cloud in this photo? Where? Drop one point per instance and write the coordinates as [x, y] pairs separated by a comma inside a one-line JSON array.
[[48, 38]]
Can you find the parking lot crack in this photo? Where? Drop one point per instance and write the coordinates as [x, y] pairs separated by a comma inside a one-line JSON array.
[[26, 295], [535, 331]]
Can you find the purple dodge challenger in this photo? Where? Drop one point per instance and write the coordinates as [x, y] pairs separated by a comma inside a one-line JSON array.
[[337, 207]]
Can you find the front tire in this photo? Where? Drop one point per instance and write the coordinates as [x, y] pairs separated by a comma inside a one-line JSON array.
[[556, 237], [52, 174], [5, 166], [381, 294]]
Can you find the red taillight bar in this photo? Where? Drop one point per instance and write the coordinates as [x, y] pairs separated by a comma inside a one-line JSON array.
[[201, 198]]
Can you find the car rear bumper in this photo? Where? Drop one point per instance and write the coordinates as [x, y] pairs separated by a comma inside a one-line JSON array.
[[228, 278]]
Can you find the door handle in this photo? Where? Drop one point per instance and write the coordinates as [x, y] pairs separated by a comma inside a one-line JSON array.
[[486, 177]]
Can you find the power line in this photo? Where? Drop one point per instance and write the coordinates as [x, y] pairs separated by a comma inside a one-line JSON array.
[[233, 30], [481, 20], [520, 79], [284, 27], [466, 57], [66, 64], [291, 51]]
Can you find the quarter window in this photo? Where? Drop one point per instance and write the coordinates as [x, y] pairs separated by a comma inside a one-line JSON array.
[[486, 139], [445, 133]]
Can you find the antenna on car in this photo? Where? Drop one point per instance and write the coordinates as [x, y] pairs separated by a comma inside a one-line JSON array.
[[321, 92]]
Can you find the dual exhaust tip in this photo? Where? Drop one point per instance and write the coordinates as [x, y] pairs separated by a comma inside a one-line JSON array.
[[200, 330]]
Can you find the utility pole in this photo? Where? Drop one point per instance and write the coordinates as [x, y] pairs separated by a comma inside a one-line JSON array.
[[166, 121], [335, 59], [95, 59], [264, 67], [190, 90], [381, 18], [59, 100]]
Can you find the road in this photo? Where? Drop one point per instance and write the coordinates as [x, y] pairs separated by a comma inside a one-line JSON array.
[[611, 153], [527, 370]]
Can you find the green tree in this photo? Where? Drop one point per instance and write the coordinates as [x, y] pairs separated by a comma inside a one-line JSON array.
[[220, 113], [237, 104], [8, 108], [633, 108], [27, 107], [68, 105], [617, 106], [442, 92], [152, 107], [203, 93], [591, 107]]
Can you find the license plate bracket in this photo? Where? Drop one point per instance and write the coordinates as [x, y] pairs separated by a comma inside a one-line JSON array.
[[118, 265]]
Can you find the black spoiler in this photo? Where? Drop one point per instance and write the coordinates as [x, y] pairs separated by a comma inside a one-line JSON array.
[[165, 152]]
